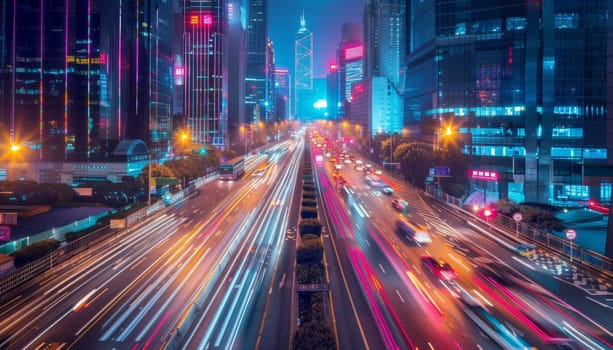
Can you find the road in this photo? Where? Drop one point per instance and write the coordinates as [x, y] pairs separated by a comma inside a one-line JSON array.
[[420, 311], [216, 250]]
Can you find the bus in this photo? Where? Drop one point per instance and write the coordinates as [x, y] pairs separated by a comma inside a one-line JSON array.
[[232, 169]]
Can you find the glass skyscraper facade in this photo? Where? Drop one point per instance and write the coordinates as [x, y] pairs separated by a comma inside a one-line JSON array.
[[79, 76], [203, 37], [524, 83], [257, 61]]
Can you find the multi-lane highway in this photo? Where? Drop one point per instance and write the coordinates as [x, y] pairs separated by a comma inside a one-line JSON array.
[[193, 277], [497, 292], [217, 271]]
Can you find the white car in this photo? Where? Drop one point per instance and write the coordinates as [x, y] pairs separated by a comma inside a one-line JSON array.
[[358, 161]]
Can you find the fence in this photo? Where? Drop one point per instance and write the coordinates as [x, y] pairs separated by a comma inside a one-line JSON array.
[[546, 239], [16, 277]]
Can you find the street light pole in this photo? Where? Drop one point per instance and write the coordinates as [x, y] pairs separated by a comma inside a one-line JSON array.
[[149, 181]]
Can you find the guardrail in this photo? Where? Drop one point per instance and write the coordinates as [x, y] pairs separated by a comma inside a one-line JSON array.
[[23, 274], [546, 239]]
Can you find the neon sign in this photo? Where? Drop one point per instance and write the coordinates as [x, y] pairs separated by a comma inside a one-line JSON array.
[[489, 175]]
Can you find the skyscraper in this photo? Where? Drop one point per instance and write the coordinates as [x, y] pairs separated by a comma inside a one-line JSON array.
[[236, 57], [526, 86], [203, 43], [269, 103], [303, 70], [257, 46], [350, 62], [383, 26], [283, 89], [78, 76]]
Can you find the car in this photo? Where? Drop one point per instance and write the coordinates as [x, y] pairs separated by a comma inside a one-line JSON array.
[[358, 161], [439, 268], [367, 171], [378, 172], [387, 190], [400, 204], [526, 249], [347, 161], [359, 168]]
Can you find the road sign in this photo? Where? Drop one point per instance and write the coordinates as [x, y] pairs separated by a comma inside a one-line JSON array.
[[442, 171], [570, 234], [517, 217]]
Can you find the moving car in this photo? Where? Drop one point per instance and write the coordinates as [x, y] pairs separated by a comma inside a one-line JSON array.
[[400, 204], [387, 190], [526, 249], [439, 268], [412, 232]]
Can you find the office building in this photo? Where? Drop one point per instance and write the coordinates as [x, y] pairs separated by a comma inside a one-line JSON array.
[[78, 77], [383, 26], [204, 99], [257, 47], [332, 92], [303, 70], [525, 85], [235, 73], [350, 63], [269, 102], [283, 90]]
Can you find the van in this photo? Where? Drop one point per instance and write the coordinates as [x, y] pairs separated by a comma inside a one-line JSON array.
[[412, 232]]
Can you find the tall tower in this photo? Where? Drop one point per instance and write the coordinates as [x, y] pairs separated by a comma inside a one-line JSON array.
[[257, 44], [303, 70], [236, 58], [203, 35], [383, 26]]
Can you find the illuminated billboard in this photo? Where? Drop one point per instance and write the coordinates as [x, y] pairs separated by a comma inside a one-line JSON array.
[[489, 175], [200, 19], [352, 53]]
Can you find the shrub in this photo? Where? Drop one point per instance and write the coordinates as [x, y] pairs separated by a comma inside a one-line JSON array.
[[314, 335], [310, 251], [308, 188], [307, 273], [309, 202], [34, 251], [308, 213], [309, 226], [309, 195]]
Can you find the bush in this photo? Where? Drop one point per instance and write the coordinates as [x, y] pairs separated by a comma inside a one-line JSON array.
[[34, 251], [308, 213], [309, 195], [308, 187], [309, 226], [314, 335], [310, 251], [307, 273], [309, 203]]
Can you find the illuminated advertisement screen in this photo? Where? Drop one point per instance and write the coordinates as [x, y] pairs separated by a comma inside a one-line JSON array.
[[354, 52], [483, 174]]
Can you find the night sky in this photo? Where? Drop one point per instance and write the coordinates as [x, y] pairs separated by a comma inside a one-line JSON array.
[[324, 19]]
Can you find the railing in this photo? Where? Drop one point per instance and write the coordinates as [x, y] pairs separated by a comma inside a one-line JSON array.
[[546, 239], [23, 274]]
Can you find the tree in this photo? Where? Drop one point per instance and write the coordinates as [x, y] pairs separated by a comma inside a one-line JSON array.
[[415, 161]]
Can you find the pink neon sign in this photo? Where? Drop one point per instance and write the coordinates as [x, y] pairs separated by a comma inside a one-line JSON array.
[[483, 174]]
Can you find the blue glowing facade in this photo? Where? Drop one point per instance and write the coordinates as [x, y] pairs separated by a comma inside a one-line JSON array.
[[525, 85]]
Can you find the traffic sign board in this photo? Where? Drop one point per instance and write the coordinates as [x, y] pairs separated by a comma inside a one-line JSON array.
[[570, 234], [517, 217]]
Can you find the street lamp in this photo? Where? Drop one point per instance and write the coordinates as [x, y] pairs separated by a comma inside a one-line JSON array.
[[244, 132]]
